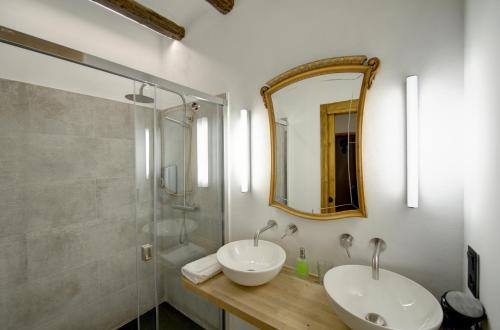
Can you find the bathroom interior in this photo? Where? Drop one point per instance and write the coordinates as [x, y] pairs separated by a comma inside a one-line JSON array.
[[249, 164]]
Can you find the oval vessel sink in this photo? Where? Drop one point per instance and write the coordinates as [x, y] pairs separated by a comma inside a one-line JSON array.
[[250, 265], [392, 302]]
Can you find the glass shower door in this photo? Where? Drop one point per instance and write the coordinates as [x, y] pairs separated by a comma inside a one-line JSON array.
[[144, 110], [190, 204], [179, 160], [67, 188]]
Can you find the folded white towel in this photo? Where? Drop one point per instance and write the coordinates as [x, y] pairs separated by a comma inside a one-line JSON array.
[[202, 269]]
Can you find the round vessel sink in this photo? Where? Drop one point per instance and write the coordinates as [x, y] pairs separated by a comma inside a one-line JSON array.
[[250, 265], [392, 302]]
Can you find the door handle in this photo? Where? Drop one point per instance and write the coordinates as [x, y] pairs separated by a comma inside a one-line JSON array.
[[147, 252]]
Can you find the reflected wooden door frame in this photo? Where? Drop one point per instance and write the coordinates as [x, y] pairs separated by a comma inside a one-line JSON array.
[[327, 126]]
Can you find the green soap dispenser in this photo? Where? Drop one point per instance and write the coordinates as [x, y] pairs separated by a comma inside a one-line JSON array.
[[302, 267]]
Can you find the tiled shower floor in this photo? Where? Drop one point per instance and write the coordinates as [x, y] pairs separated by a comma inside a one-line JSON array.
[[170, 318]]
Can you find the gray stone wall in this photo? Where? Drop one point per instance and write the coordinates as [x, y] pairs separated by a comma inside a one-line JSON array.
[[67, 211]]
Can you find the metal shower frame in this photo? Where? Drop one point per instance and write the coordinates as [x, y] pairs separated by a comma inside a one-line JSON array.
[[29, 42]]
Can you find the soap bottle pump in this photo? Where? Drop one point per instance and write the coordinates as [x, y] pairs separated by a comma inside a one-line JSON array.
[[302, 267]]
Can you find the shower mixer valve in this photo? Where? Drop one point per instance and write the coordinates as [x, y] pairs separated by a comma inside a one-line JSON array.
[[346, 243], [290, 230]]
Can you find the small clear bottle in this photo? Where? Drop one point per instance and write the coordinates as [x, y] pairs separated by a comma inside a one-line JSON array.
[[302, 266]]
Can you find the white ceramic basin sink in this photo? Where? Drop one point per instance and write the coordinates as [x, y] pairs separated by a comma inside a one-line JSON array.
[[402, 303], [246, 264]]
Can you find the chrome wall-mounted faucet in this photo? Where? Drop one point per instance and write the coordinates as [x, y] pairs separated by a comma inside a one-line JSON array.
[[270, 224], [379, 246]]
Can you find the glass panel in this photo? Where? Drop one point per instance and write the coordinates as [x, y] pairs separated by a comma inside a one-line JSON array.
[[190, 199], [67, 220], [144, 97]]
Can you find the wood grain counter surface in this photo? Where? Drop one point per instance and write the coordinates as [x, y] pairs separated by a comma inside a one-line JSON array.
[[286, 302]]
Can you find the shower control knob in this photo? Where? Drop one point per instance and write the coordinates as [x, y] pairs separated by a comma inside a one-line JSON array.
[[346, 242]]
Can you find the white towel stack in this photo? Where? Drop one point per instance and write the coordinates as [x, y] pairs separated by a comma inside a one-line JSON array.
[[180, 254], [202, 269]]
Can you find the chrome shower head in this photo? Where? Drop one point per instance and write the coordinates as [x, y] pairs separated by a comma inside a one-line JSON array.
[[195, 106], [140, 98]]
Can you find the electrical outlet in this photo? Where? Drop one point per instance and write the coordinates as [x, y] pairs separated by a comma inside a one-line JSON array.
[[473, 271]]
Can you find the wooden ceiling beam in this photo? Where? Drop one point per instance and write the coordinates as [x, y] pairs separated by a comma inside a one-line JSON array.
[[145, 16], [224, 6]]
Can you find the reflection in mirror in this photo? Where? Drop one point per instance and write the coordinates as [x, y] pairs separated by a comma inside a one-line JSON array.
[[339, 190], [315, 126], [281, 161]]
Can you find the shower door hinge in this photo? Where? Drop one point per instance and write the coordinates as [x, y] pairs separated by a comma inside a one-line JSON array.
[[147, 252]]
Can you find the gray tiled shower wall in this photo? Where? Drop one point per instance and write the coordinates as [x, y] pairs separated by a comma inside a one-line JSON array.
[[67, 211]]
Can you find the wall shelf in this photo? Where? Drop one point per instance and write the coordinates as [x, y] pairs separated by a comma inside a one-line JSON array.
[[285, 302]]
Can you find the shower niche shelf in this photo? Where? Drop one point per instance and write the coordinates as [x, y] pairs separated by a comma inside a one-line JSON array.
[[171, 227]]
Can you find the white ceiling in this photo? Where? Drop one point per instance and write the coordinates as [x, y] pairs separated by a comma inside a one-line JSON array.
[[182, 12], [38, 69]]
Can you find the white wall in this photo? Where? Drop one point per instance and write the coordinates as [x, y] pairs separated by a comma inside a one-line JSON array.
[[482, 189], [259, 39], [410, 37]]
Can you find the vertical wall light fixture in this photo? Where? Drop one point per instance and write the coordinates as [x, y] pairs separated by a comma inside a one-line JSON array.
[[412, 156], [146, 146], [202, 150], [245, 150]]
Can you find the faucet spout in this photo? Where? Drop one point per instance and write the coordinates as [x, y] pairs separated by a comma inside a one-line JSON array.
[[256, 237], [379, 247], [270, 224]]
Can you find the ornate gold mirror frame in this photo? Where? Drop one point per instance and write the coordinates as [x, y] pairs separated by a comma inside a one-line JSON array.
[[346, 64]]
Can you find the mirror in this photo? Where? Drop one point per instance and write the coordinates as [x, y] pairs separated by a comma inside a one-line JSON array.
[[316, 116]]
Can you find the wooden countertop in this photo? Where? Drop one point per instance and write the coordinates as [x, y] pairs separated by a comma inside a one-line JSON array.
[[286, 302]]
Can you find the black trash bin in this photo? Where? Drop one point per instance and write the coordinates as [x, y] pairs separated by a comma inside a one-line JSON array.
[[461, 311]]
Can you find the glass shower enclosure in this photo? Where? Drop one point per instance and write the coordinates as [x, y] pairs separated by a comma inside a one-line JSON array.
[[187, 219], [110, 182]]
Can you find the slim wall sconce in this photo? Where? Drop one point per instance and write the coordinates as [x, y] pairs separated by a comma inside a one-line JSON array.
[[245, 150], [412, 155], [146, 146], [202, 151]]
